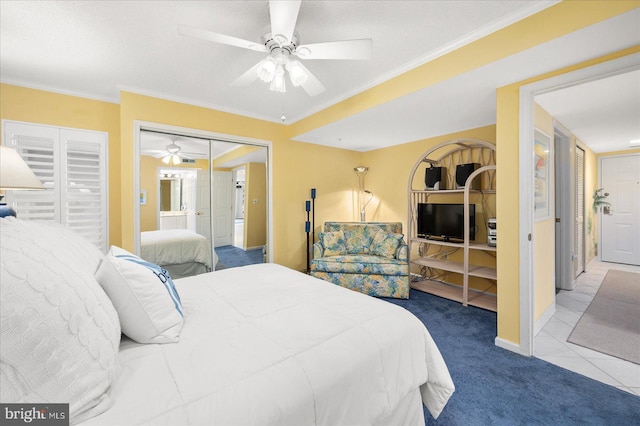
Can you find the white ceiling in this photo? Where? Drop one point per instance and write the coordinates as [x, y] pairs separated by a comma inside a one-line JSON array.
[[97, 48]]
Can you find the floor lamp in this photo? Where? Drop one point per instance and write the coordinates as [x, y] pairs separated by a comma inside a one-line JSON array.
[[15, 174], [361, 171]]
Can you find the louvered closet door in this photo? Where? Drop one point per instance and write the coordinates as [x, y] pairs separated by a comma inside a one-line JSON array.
[[84, 186], [72, 164], [39, 147]]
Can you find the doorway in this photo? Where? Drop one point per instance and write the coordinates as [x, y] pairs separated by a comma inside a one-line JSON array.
[[239, 179], [526, 130]]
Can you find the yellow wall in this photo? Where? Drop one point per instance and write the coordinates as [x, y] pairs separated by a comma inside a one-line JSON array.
[[255, 214], [37, 106], [149, 181]]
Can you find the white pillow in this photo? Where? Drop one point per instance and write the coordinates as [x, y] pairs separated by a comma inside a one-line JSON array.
[[147, 302], [59, 331]]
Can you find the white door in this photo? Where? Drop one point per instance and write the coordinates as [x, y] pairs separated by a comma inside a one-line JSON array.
[[222, 208], [620, 178], [203, 204], [578, 244]]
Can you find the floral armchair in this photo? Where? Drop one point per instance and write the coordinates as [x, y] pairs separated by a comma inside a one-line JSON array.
[[369, 257]]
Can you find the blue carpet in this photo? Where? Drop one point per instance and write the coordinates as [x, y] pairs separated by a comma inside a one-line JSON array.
[[231, 257], [498, 387]]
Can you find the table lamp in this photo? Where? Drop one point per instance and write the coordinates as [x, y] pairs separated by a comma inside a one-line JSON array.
[[14, 175]]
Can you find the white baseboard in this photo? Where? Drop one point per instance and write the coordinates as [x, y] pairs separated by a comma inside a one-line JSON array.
[[253, 248], [544, 319], [510, 346]]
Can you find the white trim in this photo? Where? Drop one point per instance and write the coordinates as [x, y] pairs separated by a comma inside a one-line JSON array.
[[148, 125], [526, 203], [510, 346], [77, 94], [527, 94], [544, 319]]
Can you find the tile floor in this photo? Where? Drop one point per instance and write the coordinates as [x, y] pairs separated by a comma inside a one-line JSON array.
[[551, 342]]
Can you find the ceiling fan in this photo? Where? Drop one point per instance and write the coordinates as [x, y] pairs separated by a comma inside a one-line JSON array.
[[282, 48], [172, 154]]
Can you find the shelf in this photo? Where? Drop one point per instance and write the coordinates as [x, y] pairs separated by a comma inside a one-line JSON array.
[[472, 246], [447, 265], [483, 272], [453, 292]]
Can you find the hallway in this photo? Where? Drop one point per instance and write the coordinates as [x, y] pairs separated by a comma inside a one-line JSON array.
[[551, 342]]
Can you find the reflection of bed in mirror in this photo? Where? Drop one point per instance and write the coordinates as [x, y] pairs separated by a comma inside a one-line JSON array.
[[181, 252]]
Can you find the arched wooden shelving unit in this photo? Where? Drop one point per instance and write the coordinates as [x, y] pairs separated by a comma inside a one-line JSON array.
[[449, 154]]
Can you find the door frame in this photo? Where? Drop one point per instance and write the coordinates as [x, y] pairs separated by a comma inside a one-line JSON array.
[[526, 125], [139, 125]]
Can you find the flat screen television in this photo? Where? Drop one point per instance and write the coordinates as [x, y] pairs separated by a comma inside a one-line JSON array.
[[445, 221]]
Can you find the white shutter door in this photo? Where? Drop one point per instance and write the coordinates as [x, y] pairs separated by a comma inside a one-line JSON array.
[[84, 184], [579, 231], [38, 146]]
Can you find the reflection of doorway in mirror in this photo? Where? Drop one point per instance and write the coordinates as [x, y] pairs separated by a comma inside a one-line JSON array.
[[239, 180], [178, 198]]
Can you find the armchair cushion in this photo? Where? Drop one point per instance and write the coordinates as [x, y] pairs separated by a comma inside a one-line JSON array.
[[385, 244], [334, 243]]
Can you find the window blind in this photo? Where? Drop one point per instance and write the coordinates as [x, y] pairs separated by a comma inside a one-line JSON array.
[[72, 165]]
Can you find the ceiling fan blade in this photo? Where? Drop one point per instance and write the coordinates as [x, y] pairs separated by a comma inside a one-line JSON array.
[[188, 31], [312, 86], [284, 15], [247, 78], [346, 49]]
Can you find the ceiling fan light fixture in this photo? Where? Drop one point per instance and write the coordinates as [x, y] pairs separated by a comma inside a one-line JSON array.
[[297, 73], [267, 69], [175, 159]]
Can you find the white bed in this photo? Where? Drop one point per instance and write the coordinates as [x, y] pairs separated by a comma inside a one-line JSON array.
[[264, 344], [182, 253], [260, 344]]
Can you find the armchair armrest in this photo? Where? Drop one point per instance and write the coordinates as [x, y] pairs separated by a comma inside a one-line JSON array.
[[318, 250], [403, 252]]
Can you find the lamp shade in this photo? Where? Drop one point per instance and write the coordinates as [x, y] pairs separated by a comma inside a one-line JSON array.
[[14, 172]]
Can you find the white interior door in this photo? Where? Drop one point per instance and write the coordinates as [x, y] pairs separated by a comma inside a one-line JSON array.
[[620, 233], [579, 211], [203, 204], [222, 208]]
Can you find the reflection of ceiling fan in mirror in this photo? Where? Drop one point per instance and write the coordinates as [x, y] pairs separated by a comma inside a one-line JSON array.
[[282, 48], [172, 154]]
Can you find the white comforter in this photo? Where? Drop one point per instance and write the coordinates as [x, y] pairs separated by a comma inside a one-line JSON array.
[[264, 344], [174, 247]]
